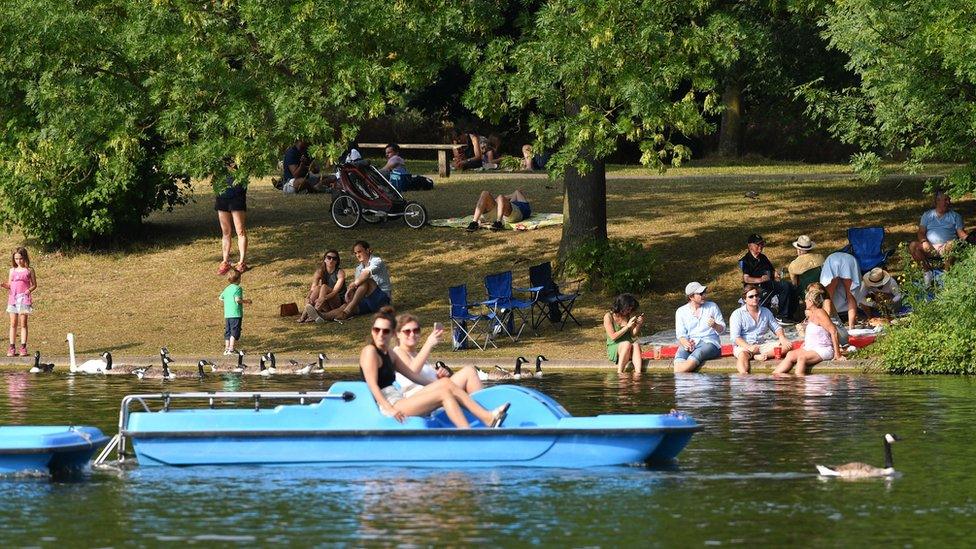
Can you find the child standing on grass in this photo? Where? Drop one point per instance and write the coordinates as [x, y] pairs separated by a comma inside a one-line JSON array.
[[21, 282], [233, 298]]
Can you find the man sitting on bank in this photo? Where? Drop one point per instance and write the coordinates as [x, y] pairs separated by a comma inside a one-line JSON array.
[[805, 259], [757, 269], [879, 295], [697, 324], [938, 231], [370, 289], [748, 326]]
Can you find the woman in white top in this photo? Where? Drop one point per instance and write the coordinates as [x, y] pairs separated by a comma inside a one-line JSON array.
[[820, 342], [407, 353]]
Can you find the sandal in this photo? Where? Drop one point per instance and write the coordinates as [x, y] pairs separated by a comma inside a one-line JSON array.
[[498, 415], [23, 350], [223, 268], [242, 267], [11, 351]]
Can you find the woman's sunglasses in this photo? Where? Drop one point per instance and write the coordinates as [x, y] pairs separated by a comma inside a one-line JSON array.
[[752, 296], [332, 258], [384, 331], [414, 331]]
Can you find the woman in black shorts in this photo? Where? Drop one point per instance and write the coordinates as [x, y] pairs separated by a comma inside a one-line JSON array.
[[231, 206]]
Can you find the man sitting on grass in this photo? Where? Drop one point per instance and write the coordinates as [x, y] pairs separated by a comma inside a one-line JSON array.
[[757, 269], [370, 289], [297, 176], [511, 208], [748, 325]]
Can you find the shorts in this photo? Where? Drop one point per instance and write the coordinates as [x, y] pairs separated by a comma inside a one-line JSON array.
[[767, 349], [826, 353], [21, 309], [520, 211], [392, 394], [232, 327], [234, 199], [289, 186], [703, 351], [373, 302]]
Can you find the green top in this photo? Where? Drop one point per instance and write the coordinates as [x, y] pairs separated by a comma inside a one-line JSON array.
[[626, 336], [232, 308]]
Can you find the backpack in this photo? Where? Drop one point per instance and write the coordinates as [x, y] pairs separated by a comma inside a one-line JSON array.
[[420, 183]]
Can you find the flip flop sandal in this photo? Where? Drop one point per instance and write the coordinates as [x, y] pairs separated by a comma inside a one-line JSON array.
[[498, 415], [243, 267], [223, 268]]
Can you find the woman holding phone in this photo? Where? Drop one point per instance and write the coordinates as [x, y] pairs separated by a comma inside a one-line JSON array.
[[623, 325], [407, 354]]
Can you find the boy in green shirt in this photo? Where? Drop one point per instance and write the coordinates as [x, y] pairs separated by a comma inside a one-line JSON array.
[[233, 298]]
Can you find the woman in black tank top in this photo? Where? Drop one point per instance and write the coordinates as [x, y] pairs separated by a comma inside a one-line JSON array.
[[379, 371]]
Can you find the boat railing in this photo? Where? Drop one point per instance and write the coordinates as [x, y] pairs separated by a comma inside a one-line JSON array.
[[166, 400]]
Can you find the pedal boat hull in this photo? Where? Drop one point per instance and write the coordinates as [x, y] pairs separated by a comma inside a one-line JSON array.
[[53, 449], [334, 432]]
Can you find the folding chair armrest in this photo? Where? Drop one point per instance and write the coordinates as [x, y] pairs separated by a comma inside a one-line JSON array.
[[489, 303], [532, 290], [576, 283]]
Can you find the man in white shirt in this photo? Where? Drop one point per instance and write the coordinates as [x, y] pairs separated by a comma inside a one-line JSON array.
[[879, 295], [697, 324], [748, 326]]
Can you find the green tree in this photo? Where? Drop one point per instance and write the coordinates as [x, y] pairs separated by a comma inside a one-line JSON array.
[[591, 73], [916, 63], [110, 107]]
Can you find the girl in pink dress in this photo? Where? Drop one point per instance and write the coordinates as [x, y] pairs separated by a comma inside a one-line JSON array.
[[21, 282]]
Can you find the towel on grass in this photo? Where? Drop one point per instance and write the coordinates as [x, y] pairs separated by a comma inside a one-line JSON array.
[[534, 221]]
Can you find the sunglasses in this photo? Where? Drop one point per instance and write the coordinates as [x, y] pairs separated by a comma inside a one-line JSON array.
[[384, 331], [752, 296], [332, 257], [414, 331]]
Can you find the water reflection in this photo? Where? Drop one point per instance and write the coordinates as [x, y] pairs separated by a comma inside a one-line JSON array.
[[747, 478]]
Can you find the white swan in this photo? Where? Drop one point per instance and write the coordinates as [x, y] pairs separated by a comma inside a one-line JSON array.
[[93, 366]]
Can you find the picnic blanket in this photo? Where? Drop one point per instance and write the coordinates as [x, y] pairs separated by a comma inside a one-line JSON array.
[[534, 221], [666, 340]]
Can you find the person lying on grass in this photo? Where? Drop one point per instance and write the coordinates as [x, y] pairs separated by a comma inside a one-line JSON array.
[[370, 288], [379, 370], [511, 208]]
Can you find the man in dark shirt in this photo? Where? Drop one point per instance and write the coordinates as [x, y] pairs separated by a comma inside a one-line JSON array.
[[295, 177], [757, 269]]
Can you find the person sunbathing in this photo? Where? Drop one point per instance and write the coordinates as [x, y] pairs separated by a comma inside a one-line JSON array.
[[510, 208], [379, 371]]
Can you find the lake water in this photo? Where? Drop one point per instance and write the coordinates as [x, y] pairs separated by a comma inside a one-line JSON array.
[[747, 478]]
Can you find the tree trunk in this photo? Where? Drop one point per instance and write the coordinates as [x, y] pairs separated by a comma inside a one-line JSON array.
[[730, 132], [584, 207]]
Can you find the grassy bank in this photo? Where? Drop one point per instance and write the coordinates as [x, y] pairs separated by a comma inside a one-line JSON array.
[[164, 290]]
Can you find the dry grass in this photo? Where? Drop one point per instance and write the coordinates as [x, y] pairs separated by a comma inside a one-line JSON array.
[[164, 290]]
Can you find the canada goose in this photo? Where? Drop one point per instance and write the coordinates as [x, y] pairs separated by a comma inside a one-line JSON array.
[[39, 368], [93, 366], [538, 365], [262, 369], [163, 351], [239, 369], [517, 374], [863, 470], [273, 366], [167, 375], [200, 373], [141, 372], [320, 368]]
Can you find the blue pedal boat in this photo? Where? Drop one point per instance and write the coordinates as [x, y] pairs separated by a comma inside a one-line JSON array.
[[47, 449], [344, 427]]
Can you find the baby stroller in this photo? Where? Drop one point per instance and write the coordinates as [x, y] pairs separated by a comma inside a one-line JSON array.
[[361, 192]]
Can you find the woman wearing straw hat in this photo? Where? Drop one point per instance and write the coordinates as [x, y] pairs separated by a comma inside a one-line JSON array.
[[805, 260], [880, 295]]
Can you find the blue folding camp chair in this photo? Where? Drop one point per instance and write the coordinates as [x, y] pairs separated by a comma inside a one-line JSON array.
[[460, 317], [552, 303], [502, 304], [867, 245]]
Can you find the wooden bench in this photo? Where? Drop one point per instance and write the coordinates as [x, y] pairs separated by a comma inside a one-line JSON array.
[[443, 166]]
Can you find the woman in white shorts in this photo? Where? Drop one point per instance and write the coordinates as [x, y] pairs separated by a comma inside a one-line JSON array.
[[821, 341], [416, 360]]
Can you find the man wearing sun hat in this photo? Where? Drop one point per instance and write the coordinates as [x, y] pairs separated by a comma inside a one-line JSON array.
[[879, 287], [697, 324], [806, 259]]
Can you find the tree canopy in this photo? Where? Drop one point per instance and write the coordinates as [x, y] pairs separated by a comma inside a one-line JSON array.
[[111, 106]]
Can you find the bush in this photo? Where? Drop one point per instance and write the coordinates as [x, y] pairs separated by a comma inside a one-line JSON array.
[[616, 265], [938, 337]]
